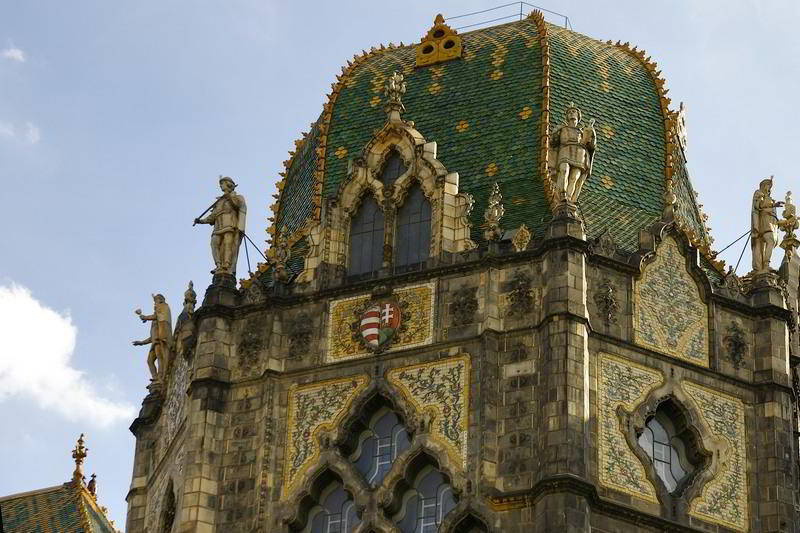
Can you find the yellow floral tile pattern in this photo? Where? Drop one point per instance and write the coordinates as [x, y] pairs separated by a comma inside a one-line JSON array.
[[669, 313], [440, 388], [312, 408], [418, 302], [622, 383], [723, 499]]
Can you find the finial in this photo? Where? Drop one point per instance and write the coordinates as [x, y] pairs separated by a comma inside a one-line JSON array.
[[494, 212], [394, 90], [79, 454], [440, 43]]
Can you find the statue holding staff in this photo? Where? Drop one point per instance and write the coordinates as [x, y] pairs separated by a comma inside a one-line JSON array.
[[227, 216], [160, 338]]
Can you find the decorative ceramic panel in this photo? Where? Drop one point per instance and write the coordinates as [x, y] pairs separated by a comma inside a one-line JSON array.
[[724, 498], [670, 315], [622, 383], [362, 325], [440, 388], [314, 407]]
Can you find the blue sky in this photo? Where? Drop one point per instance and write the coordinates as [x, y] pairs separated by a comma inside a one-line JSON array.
[[116, 118]]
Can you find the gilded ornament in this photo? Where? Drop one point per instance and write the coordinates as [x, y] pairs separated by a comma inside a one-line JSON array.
[[494, 212], [521, 238], [789, 225]]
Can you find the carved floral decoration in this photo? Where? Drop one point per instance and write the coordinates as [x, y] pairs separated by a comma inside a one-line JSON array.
[[464, 305], [736, 344], [520, 296], [607, 302]]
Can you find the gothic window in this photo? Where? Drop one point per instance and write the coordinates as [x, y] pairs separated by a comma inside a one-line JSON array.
[[336, 512], [426, 504], [366, 238], [666, 450], [393, 168], [169, 508], [413, 238], [379, 445]]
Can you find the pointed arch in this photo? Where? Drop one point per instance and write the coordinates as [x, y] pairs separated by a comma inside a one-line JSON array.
[[169, 509]]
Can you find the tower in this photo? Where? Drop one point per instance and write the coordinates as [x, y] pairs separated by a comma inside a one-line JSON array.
[[490, 304]]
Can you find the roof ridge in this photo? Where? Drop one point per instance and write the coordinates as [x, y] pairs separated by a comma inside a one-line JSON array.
[[32, 492], [544, 122]]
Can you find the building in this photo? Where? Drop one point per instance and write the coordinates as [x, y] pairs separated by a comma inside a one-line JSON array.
[[490, 304], [67, 508]]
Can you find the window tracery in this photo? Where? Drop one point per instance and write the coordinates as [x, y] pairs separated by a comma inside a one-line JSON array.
[[675, 460], [426, 503], [393, 168], [379, 445], [413, 236], [336, 512]]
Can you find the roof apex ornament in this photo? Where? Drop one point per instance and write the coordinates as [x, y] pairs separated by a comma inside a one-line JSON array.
[[441, 43], [394, 90], [521, 238], [789, 225], [575, 146], [494, 212], [79, 453]]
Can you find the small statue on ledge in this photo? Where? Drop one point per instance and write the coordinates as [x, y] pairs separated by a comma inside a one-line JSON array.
[[227, 215], [160, 338], [575, 154], [764, 226], [789, 225]]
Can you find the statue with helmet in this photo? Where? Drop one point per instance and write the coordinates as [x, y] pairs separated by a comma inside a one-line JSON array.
[[764, 226], [574, 150], [227, 215]]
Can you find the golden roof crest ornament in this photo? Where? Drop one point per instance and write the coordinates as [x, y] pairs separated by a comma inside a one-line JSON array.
[[441, 43], [521, 238], [79, 454]]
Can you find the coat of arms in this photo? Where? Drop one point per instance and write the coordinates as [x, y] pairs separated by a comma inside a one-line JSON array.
[[378, 323]]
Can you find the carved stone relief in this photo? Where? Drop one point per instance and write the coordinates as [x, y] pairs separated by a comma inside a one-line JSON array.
[[300, 335], [735, 344], [606, 301], [251, 344], [520, 298], [464, 305]]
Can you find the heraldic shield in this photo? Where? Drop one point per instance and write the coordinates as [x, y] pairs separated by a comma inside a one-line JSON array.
[[379, 323]]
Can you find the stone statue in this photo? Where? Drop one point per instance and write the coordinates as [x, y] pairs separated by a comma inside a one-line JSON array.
[[160, 338], [227, 216], [764, 226], [575, 153], [789, 224], [184, 335]]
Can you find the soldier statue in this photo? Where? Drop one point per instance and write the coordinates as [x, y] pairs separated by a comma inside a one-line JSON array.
[[575, 147], [227, 216], [160, 338], [764, 226]]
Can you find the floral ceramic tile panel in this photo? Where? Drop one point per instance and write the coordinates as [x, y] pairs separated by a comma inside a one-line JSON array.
[[312, 408], [441, 388], [670, 315], [627, 384], [724, 498], [362, 325]]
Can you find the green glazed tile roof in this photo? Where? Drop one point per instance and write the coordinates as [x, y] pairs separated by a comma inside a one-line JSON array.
[[52, 510], [483, 111]]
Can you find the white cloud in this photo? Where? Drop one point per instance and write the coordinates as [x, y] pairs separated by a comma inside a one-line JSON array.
[[14, 54], [7, 130], [32, 133], [36, 345]]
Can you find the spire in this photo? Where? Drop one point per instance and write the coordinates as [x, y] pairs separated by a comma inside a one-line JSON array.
[[79, 454]]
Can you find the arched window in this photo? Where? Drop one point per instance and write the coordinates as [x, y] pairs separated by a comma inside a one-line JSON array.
[[336, 512], [379, 445], [666, 450], [168, 514], [393, 168], [426, 504], [366, 238], [413, 237]]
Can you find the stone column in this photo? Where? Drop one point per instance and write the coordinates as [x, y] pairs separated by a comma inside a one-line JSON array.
[[142, 460], [208, 397]]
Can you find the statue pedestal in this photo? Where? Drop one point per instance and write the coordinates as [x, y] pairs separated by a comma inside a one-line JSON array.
[[566, 223], [766, 290], [222, 290]]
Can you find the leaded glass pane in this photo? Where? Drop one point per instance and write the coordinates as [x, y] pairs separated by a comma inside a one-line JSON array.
[[426, 505], [380, 445], [413, 239], [366, 238], [335, 514], [664, 448], [393, 169]]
